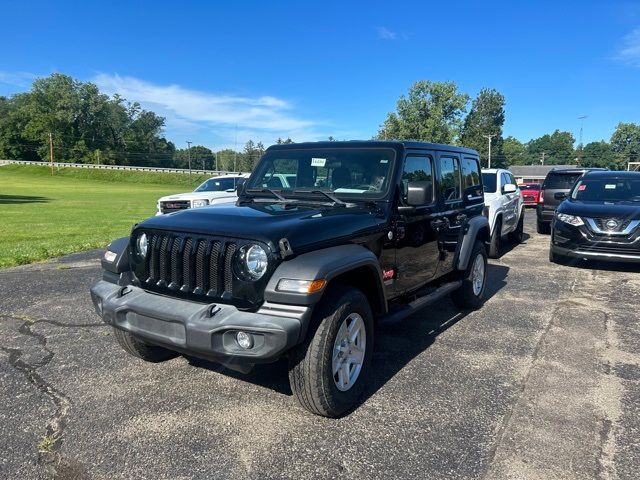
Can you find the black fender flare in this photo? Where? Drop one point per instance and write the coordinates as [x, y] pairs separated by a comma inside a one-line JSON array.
[[327, 263], [476, 227], [120, 247]]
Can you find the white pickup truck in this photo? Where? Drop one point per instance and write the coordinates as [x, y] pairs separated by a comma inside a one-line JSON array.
[[220, 189], [504, 208]]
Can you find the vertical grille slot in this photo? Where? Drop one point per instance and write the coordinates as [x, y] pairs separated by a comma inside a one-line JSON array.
[[187, 271], [163, 276], [214, 274], [176, 267], [201, 263], [153, 258], [228, 265]]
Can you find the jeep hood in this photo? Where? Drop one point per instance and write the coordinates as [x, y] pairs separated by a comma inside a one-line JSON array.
[[305, 226]]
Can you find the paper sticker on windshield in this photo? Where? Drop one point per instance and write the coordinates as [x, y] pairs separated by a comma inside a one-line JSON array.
[[384, 160], [582, 187], [318, 162], [610, 186]]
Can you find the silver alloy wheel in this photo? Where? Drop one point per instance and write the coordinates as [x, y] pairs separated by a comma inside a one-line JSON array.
[[477, 275], [348, 352]]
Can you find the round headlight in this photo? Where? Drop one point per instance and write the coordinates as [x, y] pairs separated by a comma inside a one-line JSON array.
[[253, 261], [142, 245]]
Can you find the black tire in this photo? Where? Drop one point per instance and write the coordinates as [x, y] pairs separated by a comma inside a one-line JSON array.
[[138, 348], [557, 258], [466, 297], [543, 228], [496, 239], [311, 364], [517, 236]]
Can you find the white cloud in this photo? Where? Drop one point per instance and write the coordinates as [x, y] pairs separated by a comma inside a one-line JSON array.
[[386, 34], [17, 79], [629, 52]]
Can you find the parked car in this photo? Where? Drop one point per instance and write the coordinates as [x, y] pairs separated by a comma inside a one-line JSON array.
[[504, 208], [599, 219], [214, 190], [556, 181], [304, 272], [530, 193]]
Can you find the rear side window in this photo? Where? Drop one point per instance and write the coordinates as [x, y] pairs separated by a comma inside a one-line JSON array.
[[450, 181], [470, 172], [561, 181]]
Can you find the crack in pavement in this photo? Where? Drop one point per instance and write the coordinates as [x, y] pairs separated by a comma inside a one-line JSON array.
[[56, 425]]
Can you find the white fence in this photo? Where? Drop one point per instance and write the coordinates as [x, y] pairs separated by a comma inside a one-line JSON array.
[[120, 167]]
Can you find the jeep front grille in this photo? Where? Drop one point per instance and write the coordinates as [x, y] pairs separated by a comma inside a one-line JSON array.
[[192, 265]]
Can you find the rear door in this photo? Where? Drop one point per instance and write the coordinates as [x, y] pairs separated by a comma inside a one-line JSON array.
[[451, 217]]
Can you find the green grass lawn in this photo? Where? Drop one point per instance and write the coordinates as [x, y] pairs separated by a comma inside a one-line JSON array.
[[44, 216]]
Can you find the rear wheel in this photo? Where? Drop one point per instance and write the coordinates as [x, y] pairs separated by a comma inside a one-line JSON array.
[[517, 236], [329, 370], [543, 228], [496, 239], [471, 294], [138, 348]]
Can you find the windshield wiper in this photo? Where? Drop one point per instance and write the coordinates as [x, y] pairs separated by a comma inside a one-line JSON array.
[[267, 190], [336, 201]]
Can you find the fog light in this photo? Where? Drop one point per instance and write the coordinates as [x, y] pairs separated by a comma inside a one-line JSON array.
[[245, 340], [110, 256]]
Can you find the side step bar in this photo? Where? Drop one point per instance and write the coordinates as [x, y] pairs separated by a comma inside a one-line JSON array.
[[420, 303]]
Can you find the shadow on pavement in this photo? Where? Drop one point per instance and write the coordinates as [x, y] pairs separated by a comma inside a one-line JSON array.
[[396, 344], [602, 265], [15, 199]]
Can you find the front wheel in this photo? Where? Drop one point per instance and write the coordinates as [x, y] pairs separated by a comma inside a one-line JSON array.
[[496, 238], [329, 370], [517, 236], [471, 294]]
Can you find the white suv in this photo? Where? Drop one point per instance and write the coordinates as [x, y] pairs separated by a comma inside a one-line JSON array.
[[504, 207], [220, 189]]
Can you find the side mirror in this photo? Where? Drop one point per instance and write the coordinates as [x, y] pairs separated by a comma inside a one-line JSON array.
[[419, 193], [509, 188], [560, 195], [239, 185]]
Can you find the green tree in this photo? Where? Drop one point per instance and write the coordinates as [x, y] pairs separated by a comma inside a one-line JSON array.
[[432, 111], [280, 141], [513, 152], [625, 142], [201, 158], [599, 154], [486, 117], [557, 149]]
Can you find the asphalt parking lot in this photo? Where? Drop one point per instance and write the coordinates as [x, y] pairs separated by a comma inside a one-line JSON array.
[[542, 382]]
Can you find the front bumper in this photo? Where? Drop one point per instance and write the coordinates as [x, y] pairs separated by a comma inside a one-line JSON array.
[[580, 242], [202, 330]]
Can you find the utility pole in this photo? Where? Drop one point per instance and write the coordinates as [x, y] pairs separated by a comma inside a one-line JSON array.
[[51, 151], [489, 137], [189, 158], [235, 156], [543, 154], [216, 157], [581, 118]]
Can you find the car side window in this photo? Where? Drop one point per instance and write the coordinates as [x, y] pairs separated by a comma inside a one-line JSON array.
[[470, 172], [504, 180], [450, 179], [417, 169]]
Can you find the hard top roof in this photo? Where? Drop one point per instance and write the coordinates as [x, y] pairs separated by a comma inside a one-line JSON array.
[[406, 144], [612, 174]]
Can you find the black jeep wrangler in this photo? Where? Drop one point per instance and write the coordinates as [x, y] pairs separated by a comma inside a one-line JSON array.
[[325, 240]]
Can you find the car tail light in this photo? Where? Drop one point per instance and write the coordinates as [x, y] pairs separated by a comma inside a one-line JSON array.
[[541, 197]]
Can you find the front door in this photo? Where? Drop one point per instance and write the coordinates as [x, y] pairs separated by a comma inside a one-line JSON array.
[[416, 240], [510, 204]]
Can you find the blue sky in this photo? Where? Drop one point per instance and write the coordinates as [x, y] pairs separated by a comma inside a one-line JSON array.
[[225, 70]]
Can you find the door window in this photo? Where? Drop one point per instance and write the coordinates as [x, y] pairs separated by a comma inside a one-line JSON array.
[[450, 178], [417, 169], [470, 172], [505, 180]]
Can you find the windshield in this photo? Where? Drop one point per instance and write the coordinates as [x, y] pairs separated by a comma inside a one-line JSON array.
[[489, 181], [217, 185], [608, 189], [561, 181], [530, 186], [346, 172]]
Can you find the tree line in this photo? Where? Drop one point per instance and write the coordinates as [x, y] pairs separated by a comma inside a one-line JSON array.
[[437, 112], [81, 124]]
